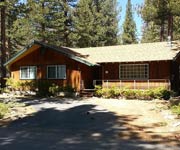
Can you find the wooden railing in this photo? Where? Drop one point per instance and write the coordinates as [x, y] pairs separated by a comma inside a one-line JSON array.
[[134, 84]]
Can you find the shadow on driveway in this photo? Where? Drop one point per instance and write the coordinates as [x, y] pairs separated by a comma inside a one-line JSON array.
[[80, 127]]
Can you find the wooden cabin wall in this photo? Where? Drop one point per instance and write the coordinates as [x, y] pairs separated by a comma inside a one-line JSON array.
[[175, 75], [75, 71], [157, 70]]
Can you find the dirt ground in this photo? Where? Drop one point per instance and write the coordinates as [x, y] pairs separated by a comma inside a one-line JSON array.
[[149, 120], [97, 122]]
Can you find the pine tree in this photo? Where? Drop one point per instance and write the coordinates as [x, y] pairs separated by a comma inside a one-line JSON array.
[[129, 26], [51, 20], [176, 27], [3, 41], [150, 33], [84, 29], [61, 21], [95, 23], [18, 27], [162, 13], [109, 23]]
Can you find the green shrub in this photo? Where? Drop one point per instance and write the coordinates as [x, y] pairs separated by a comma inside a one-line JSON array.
[[162, 93], [98, 91], [175, 109], [43, 88], [144, 94], [29, 85], [54, 89], [166, 94], [12, 84], [3, 109], [129, 93], [114, 92], [68, 88], [105, 93]]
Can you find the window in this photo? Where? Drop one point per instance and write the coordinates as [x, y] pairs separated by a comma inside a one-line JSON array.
[[28, 72], [56, 72], [133, 71]]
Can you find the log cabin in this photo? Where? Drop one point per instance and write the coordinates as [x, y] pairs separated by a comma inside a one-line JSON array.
[[137, 66]]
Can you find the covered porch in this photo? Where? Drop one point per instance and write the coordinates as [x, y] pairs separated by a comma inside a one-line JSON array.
[[134, 84]]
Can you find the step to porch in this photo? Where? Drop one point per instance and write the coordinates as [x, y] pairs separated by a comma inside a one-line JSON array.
[[87, 92]]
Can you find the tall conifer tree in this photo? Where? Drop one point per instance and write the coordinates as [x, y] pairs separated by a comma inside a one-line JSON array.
[[129, 26], [96, 23], [3, 46], [164, 14]]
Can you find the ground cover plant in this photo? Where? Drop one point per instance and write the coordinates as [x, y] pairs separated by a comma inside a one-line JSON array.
[[3, 109]]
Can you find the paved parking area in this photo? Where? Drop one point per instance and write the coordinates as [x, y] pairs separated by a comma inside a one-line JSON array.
[[84, 124]]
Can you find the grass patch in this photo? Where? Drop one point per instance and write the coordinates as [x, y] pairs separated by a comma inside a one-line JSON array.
[[3, 109]]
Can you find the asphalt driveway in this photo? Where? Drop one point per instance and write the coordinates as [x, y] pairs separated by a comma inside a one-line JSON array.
[[73, 125]]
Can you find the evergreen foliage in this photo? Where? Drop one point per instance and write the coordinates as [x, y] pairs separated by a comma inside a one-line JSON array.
[[165, 15], [129, 26], [95, 23], [150, 33], [71, 23]]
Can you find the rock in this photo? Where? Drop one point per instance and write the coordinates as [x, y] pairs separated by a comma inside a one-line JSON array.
[[176, 124], [18, 92], [175, 101], [169, 116]]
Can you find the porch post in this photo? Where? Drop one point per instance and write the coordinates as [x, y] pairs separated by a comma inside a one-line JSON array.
[[134, 84], [148, 83], [107, 84], [120, 84]]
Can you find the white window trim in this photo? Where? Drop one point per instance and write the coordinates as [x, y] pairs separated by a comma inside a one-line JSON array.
[[28, 71], [56, 72], [134, 65]]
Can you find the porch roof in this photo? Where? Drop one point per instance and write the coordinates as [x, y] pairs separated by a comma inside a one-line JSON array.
[[158, 51]]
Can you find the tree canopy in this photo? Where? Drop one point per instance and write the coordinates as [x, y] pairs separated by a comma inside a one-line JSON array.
[[164, 15]]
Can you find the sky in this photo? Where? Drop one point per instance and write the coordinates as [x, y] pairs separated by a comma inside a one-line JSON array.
[[137, 19]]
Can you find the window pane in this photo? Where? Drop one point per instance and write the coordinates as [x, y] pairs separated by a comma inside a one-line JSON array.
[[32, 72], [61, 71], [28, 72], [57, 72], [133, 71], [24, 73], [52, 72]]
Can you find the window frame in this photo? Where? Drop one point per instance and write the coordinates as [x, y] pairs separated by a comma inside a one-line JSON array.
[[140, 76], [28, 68], [56, 72]]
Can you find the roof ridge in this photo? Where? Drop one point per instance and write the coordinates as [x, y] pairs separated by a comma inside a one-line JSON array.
[[120, 45]]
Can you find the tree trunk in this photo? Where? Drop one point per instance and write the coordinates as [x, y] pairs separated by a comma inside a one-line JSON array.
[[43, 27], [3, 47], [162, 32], [170, 26]]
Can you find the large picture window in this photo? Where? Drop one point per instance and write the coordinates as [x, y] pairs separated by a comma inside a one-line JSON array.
[[133, 71], [28, 72], [56, 72]]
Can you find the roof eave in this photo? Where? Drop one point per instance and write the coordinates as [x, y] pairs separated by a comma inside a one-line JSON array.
[[47, 46], [68, 55], [19, 53], [133, 61]]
